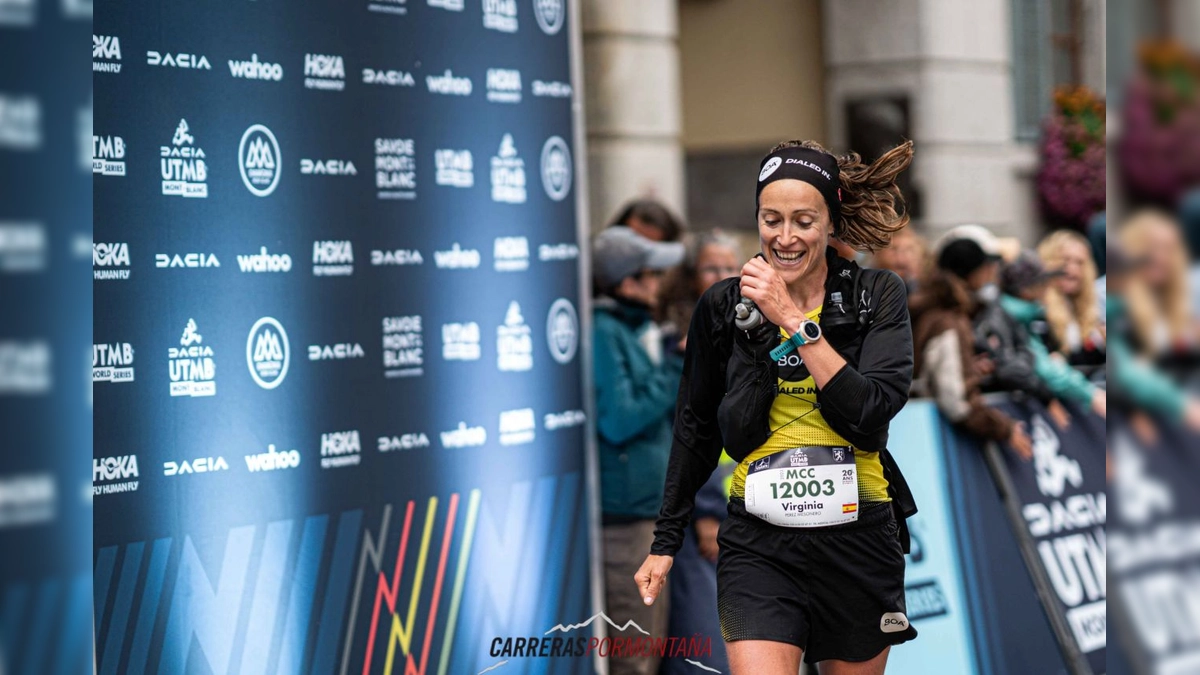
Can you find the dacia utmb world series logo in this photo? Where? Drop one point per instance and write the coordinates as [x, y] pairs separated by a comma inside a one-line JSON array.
[[192, 366], [183, 166]]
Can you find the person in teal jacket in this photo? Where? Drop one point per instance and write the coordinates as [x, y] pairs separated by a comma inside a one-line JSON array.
[[1024, 282], [636, 387]]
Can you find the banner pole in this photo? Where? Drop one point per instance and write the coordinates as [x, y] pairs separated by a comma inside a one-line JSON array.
[[1075, 661]]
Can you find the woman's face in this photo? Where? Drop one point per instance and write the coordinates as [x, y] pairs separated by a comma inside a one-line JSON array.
[[793, 228], [715, 262], [1073, 257], [1162, 245]]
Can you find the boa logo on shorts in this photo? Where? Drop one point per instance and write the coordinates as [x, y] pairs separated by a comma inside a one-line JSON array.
[[893, 622], [769, 168]]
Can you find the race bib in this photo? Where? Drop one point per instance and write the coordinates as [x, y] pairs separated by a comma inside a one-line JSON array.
[[804, 487]]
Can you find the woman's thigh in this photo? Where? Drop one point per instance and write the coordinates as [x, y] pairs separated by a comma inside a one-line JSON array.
[[763, 657]]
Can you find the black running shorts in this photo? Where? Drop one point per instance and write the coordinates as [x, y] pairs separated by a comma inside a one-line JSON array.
[[836, 592]]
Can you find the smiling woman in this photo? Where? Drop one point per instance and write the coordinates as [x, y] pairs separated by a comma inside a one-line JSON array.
[[802, 403]]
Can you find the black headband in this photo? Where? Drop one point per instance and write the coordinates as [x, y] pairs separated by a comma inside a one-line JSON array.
[[818, 169]]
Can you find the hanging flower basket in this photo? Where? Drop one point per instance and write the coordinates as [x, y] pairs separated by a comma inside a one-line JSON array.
[[1159, 151], [1070, 181]]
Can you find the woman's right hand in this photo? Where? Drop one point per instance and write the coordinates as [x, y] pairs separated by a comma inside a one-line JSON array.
[[652, 576]]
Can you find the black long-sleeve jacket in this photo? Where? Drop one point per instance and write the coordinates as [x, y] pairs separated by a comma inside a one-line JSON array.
[[730, 382]]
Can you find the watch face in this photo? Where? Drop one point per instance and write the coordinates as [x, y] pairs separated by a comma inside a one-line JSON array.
[[812, 331]]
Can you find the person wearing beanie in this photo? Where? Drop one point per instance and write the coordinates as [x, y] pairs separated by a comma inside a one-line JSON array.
[[635, 386], [1023, 284], [946, 367]]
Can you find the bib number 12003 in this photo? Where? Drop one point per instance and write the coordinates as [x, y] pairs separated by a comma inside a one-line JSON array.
[[814, 486]]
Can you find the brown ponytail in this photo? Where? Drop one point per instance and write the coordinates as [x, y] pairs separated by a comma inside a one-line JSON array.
[[872, 206]]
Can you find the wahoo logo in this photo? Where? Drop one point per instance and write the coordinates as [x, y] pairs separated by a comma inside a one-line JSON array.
[[180, 60], [255, 69], [190, 260], [333, 258], [265, 262], [448, 84], [464, 437], [328, 167], [399, 258], [457, 258], [403, 442], [503, 85], [335, 352], [272, 460], [110, 255], [324, 71], [199, 465], [106, 54], [893, 622], [388, 78]]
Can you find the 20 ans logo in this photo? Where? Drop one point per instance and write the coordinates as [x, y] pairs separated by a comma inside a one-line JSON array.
[[259, 160], [550, 15], [562, 331], [267, 353], [556, 168]]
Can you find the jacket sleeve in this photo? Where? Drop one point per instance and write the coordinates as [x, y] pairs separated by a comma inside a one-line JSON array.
[[1016, 368], [946, 374], [696, 447], [1065, 381], [628, 402], [869, 397]]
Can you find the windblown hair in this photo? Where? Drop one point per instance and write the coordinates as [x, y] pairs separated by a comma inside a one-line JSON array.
[[1061, 310], [872, 206]]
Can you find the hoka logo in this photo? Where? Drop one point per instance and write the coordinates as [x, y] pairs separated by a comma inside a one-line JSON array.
[[255, 69], [340, 443], [110, 255], [260, 155], [114, 468], [106, 47], [324, 66], [332, 252]]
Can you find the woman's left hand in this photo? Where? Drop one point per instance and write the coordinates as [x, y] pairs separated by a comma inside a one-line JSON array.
[[761, 284]]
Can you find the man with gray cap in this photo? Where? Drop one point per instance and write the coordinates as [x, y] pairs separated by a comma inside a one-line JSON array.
[[636, 387]]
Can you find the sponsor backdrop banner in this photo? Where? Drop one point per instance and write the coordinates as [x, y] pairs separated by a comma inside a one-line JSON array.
[[966, 583], [339, 416], [1063, 506], [1154, 541]]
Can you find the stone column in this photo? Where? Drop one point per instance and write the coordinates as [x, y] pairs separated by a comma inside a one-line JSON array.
[[953, 60], [632, 104]]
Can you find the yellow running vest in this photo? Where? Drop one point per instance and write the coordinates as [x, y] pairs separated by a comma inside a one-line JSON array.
[[796, 421]]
